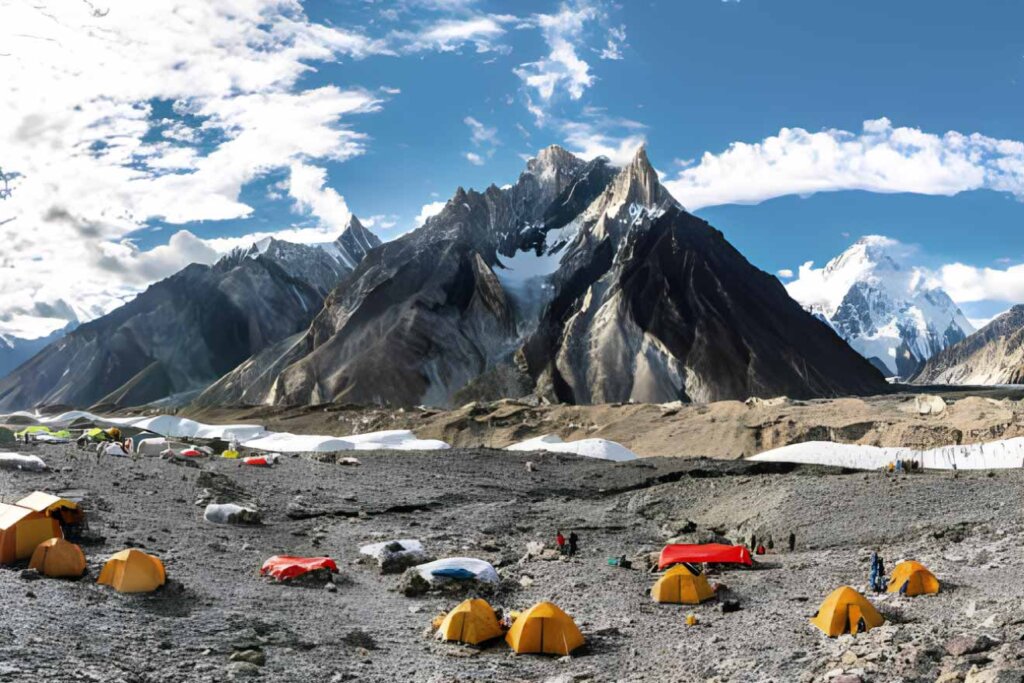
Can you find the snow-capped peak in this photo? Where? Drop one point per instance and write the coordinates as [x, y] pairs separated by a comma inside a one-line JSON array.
[[882, 304]]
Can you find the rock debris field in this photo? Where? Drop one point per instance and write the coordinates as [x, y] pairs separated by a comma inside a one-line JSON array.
[[217, 619]]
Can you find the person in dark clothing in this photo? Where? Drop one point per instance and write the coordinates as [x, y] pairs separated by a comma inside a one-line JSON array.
[[753, 541], [792, 541], [573, 543], [873, 576], [880, 585]]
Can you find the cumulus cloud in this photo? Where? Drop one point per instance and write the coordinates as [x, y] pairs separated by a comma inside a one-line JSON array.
[[428, 210], [966, 283], [881, 158], [785, 273], [107, 132], [596, 134], [474, 158], [448, 35], [562, 69]]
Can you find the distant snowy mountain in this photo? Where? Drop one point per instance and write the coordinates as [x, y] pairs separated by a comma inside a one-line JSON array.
[[882, 306], [16, 350]]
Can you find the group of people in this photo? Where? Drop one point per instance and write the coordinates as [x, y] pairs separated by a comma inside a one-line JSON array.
[[760, 549], [567, 547]]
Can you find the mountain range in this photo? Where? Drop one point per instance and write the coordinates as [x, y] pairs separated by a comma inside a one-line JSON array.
[[992, 355], [582, 282], [885, 308], [185, 332]]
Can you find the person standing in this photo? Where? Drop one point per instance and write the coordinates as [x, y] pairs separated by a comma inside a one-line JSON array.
[[573, 543], [792, 541], [873, 576], [560, 542]]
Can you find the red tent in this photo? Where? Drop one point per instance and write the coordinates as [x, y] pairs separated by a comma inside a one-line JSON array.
[[284, 567], [692, 553]]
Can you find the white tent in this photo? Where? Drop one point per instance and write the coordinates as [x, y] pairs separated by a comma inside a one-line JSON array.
[[16, 461]]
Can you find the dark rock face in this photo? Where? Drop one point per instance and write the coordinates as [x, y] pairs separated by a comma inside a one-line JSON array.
[[185, 332], [992, 355], [582, 282]]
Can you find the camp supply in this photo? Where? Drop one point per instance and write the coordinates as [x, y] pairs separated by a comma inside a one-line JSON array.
[[457, 569], [192, 453], [716, 553], [17, 461], [680, 585], [152, 446], [230, 513], [286, 567], [472, 622], [58, 558], [544, 629], [691, 619], [846, 611], [133, 571], [261, 460], [230, 454], [915, 576], [22, 530]]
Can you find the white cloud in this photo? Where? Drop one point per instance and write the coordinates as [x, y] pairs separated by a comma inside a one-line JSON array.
[[79, 124], [307, 185], [616, 41], [449, 35], [474, 158], [967, 283], [428, 210], [785, 273], [481, 134], [879, 159], [562, 68], [595, 134]]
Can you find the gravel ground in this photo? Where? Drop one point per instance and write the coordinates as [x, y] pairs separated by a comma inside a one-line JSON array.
[[484, 503]]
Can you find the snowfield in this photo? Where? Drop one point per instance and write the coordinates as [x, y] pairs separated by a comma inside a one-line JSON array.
[[601, 449], [1005, 454]]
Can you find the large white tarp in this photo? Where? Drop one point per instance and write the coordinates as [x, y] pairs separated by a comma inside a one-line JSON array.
[[1004, 454], [601, 449], [251, 436]]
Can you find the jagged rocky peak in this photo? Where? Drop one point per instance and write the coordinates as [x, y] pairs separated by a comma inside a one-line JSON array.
[[992, 355], [355, 241], [554, 166]]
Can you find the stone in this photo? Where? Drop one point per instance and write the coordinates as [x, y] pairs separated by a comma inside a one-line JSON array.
[[30, 575], [526, 581], [252, 656], [847, 678], [242, 670], [849, 658], [969, 644], [995, 674]]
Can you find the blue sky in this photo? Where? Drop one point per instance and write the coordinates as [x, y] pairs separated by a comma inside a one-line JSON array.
[[439, 95]]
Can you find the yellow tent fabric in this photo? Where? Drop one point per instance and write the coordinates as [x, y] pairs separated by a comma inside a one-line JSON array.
[[472, 621], [58, 558], [45, 502], [678, 585], [917, 577], [846, 611], [133, 571], [544, 629], [22, 530]]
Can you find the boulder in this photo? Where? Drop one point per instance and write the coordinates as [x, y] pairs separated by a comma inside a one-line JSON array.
[[969, 644]]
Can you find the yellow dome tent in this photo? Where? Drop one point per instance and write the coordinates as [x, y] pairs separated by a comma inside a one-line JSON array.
[[64, 510], [133, 571], [472, 622], [58, 558], [544, 629], [679, 585], [916, 576], [846, 611], [22, 530]]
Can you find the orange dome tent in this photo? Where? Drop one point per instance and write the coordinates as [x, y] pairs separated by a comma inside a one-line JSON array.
[[679, 585], [916, 576], [472, 622], [65, 511], [846, 611], [544, 629], [133, 571], [22, 530], [58, 558]]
